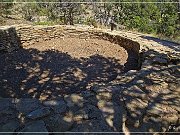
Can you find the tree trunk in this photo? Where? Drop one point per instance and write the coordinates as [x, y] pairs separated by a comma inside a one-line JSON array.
[[179, 11], [71, 17], [65, 20]]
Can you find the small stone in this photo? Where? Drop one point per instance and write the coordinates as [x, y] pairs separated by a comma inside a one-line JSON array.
[[104, 95], [134, 91], [170, 118], [36, 126], [26, 106], [92, 112], [39, 113], [92, 100], [6, 103], [74, 100], [102, 89], [80, 115], [59, 106], [159, 60], [87, 94], [131, 72], [140, 81]]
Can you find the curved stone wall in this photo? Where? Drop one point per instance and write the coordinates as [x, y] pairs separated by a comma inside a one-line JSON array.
[[12, 37], [136, 101]]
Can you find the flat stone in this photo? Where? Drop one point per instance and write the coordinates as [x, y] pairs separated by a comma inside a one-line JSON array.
[[136, 107], [6, 103], [87, 94], [27, 105], [140, 83], [113, 113], [104, 95], [92, 126], [8, 111], [10, 126], [158, 88], [92, 112], [39, 113], [59, 106], [59, 123], [171, 118], [160, 110], [134, 91], [74, 100], [150, 126], [159, 60], [80, 115], [122, 80], [100, 89], [92, 100], [131, 72], [36, 126]]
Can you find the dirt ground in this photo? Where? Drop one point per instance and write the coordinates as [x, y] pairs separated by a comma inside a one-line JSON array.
[[84, 48], [60, 66]]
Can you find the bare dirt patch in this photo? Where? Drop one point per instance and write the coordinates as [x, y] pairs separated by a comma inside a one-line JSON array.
[[84, 48], [53, 68]]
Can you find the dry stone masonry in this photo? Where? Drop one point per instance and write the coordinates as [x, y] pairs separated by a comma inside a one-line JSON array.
[[8, 39], [145, 100], [26, 35]]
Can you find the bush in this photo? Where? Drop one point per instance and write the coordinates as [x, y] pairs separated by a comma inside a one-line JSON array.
[[170, 31], [91, 21]]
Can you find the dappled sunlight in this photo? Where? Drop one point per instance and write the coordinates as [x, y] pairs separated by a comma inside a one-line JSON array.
[[94, 93], [46, 74]]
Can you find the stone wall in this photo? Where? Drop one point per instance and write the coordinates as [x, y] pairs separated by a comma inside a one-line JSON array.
[[12, 37], [8, 39], [136, 101]]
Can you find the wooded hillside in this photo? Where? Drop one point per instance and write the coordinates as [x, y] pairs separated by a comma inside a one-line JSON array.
[[157, 17]]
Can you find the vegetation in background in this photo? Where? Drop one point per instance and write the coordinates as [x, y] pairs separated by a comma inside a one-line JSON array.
[[156, 18], [5, 7]]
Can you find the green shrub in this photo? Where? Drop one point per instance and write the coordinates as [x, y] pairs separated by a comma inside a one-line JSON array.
[[91, 21]]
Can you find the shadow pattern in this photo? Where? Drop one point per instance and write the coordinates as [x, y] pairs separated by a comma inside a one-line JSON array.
[[33, 74], [139, 96]]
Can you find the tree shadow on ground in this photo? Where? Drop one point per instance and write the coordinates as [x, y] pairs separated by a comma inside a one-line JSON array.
[[34, 74], [136, 106], [28, 74], [151, 95], [147, 102], [50, 74]]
